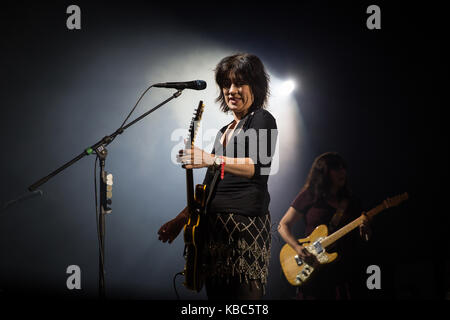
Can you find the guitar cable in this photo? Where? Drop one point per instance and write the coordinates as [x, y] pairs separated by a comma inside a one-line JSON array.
[[174, 285], [97, 217]]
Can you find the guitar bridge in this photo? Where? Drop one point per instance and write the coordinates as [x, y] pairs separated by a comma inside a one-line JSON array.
[[298, 260]]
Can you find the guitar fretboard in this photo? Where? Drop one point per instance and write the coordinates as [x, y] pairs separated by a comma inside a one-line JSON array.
[[332, 238]]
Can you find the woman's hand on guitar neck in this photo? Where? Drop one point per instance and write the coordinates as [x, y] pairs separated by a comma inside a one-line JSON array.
[[195, 158], [365, 231], [171, 229]]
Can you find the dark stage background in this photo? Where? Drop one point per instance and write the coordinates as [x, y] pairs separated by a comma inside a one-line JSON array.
[[374, 96]]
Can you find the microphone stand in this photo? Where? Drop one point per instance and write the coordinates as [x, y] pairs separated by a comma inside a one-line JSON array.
[[100, 149], [21, 198]]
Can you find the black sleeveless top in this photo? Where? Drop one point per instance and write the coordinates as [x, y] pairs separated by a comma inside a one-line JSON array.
[[254, 137]]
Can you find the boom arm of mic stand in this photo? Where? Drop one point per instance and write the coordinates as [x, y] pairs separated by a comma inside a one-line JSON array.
[[105, 141]]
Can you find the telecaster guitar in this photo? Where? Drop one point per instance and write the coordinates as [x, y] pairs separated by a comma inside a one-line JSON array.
[[297, 271]]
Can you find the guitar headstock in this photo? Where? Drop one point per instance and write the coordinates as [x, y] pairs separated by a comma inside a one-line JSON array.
[[388, 203], [395, 201], [193, 127]]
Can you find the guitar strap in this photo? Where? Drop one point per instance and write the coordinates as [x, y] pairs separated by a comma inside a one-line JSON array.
[[334, 222], [211, 188]]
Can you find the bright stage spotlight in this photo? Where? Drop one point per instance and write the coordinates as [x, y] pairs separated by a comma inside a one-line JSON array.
[[286, 88]]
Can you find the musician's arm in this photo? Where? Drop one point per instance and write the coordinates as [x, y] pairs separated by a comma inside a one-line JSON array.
[[247, 167], [290, 218], [170, 230], [243, 167], [183, 215], [198, 158]]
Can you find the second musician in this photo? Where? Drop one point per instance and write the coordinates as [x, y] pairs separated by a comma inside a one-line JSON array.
[[326, 199]]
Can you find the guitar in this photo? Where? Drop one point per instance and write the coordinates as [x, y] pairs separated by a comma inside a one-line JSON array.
[[193, 230], [297, 271]]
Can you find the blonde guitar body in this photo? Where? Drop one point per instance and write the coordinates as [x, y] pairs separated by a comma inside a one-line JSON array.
[[297, 271]]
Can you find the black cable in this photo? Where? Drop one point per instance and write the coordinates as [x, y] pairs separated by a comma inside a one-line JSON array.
[[142, 95], [132, 110], [174, 286], [97, 217]]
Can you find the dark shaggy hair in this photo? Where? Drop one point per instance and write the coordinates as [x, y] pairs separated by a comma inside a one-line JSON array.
[[318, 182], [245, 69]]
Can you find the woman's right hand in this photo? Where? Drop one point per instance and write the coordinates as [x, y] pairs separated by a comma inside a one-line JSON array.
[[170, 230], [307, 256]]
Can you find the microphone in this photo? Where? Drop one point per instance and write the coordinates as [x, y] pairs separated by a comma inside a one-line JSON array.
[[196, 85]]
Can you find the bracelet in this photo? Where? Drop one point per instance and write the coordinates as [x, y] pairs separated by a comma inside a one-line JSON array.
[[222, 168]]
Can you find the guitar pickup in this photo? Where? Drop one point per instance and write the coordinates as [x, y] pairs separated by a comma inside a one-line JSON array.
[[298, 260], [318, 247]]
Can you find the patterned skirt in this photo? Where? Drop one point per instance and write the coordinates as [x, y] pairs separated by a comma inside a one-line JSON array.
[[238, 246]]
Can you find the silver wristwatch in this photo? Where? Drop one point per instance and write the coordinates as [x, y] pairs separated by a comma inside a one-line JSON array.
[[217, 162]]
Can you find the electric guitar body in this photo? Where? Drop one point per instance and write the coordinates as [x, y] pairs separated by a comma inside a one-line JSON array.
[[194, 238], [297, 271]]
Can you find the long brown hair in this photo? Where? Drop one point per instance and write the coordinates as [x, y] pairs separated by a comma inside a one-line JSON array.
[[318, 182]]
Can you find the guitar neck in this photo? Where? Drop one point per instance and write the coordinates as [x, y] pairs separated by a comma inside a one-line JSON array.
[[332, 238], [190, 189], [189, 144]]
